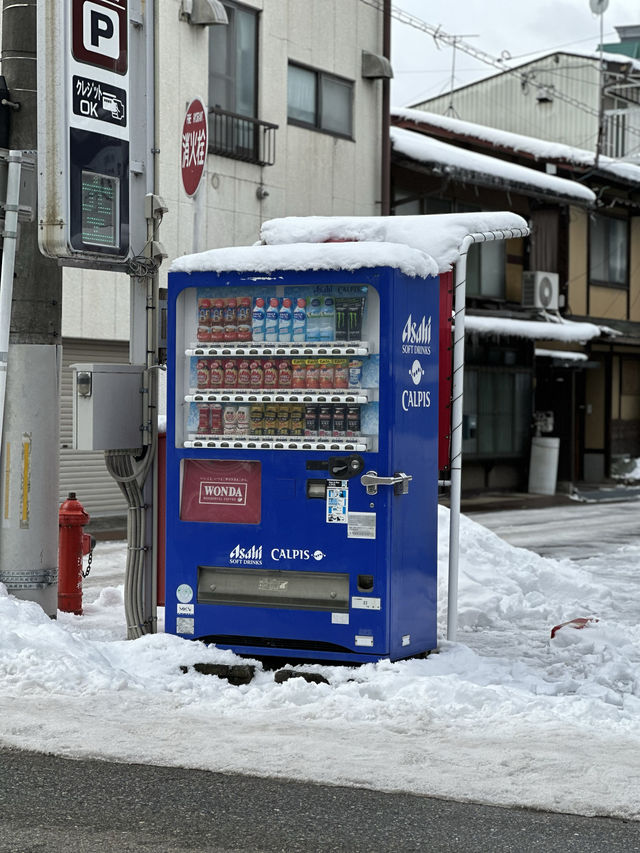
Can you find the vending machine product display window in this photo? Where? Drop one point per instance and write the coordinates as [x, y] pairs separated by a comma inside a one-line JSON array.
[[282, 367], [302, 457]]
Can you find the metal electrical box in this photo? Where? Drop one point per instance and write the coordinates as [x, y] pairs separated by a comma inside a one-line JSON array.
[[107, 406], [302, 457]]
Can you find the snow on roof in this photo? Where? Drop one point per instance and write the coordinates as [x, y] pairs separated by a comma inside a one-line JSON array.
[[438, 236], [310, 256], [539, 149], [426, 149], [562, 354], [567, 330]]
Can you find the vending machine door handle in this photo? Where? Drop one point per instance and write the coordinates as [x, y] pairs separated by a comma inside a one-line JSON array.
[[399, 481]]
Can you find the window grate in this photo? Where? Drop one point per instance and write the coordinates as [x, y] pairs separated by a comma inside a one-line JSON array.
[[242, 137]]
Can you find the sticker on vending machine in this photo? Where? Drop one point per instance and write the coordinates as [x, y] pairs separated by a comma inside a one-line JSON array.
[[362, 525], [337, 502]]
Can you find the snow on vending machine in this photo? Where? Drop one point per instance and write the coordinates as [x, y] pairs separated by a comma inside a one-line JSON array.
[[302, 453]]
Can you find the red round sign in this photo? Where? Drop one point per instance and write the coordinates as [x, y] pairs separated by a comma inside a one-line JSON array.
[[194, 146]]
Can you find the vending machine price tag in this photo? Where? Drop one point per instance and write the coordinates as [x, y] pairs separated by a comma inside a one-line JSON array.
[[337, 502]]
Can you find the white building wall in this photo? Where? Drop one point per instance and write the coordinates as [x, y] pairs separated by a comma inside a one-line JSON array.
[[508, 102]]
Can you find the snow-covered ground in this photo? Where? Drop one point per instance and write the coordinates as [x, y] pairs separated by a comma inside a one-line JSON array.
[[505, 715]]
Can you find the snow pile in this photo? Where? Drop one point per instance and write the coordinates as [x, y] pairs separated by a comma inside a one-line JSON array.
[[309, 256], [504, 716], [438, 236]]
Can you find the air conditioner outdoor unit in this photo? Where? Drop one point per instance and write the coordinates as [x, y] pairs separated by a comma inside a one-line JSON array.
[[540, 289]]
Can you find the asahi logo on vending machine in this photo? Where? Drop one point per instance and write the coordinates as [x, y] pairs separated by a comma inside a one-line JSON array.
[[247, 556], [416, 336]]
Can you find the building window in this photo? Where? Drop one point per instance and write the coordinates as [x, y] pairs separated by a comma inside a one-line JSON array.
[[320, 100], [497, 412], [233, 62], [608, 251], [234, 130], [486, 269]]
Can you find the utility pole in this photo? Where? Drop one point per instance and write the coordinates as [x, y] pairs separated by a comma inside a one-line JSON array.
[[30, 443]]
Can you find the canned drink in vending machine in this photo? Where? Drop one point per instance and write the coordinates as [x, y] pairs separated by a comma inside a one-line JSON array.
[[311, 419], [312, 376], [339, 426], [204, 419], [326, 373], [215, 414], [217, 320], [242, 420], [256, 419], [230, 373], [229, 419], [204, 320], [244, 373], [270, 374], [353, 421], [325, 421], [296, 419], [270, 419], [230, 319], [256, 374], [285, 375], [216, 373], [299, 373], [244, 318], [284, 419], [202, 373], [340, 373]]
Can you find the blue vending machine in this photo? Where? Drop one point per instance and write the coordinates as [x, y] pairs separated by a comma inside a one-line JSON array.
[[302, 455]]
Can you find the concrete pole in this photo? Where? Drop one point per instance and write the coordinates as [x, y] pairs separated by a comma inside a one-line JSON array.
[[29, 457]]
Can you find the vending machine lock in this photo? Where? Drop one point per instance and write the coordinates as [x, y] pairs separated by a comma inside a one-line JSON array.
[[400, 482], [339, 467]]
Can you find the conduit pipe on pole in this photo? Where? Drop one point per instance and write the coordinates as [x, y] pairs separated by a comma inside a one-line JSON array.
[[456, 412], [10, 239]]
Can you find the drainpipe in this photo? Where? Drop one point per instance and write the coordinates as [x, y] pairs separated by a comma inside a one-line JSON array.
[[385, 161], [456, 414]]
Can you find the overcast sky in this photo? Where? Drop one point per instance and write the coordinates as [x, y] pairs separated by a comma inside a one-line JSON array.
[[421, 70]]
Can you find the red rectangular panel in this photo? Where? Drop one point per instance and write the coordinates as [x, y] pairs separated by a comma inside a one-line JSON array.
[[221, 491]]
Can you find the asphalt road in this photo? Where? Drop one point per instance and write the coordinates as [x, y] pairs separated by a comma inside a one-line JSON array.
[[56, 804], [576, 531]]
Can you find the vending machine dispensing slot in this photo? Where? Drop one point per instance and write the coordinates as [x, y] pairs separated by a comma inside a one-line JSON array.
[[328, 591], [288, 390]]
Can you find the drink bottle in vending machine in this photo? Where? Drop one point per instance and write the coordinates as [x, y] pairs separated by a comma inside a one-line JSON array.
[[302, 457]]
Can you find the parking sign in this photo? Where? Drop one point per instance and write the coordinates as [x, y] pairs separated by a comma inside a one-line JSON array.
[[84, 131]]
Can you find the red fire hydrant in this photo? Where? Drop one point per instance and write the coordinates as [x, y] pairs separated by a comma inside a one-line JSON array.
[[73, 543]]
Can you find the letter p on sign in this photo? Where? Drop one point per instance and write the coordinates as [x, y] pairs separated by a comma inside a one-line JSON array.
[[100, 33]]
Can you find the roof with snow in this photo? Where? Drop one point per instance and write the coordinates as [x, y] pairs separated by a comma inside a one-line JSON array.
[[451, 160], [540, 150], [565, 330]]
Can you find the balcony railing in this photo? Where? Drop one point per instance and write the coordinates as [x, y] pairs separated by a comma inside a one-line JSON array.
[[621, 136], [242, 137]]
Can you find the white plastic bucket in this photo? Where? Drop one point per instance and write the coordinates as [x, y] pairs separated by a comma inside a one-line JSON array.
[[543, 467]]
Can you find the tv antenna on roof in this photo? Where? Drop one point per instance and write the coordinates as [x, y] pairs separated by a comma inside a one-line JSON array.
[[451, 110], [599, 7]]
